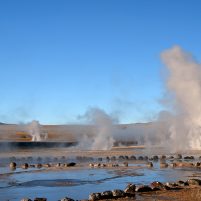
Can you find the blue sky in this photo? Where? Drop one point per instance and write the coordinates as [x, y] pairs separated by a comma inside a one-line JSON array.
[[58, 58]]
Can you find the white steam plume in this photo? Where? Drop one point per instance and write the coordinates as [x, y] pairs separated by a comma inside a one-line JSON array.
[[35, 131], [184, 85], [102, 136]]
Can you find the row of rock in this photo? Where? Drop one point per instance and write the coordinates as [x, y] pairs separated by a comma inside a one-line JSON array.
[[13, 165], [99, 165], [132, 189]]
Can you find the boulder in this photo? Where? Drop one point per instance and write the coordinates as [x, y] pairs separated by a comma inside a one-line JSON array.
[[95, 196], [143, 188], [140, 158], [66, 199], [118, 193], [38, 165], [125, 164], [163, 165], [194, 182], [130, 189], [26, 199], [13, 165], [25, 166], [178, 156], [156, 185], [149, 164], [182, 183], [106, 195], [132, 158], [71, 164], [40, 199]]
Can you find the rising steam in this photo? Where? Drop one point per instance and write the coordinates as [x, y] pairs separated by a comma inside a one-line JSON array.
[[102, 135], [184, 86], [34, 129]]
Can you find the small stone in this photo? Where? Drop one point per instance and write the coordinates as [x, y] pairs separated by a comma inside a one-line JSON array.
[[156, 185], [125, 164]]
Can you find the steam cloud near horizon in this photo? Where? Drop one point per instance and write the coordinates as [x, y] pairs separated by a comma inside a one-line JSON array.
[[183, 85]]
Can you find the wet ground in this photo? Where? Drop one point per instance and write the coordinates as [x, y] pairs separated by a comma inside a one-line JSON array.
[[79, 181]]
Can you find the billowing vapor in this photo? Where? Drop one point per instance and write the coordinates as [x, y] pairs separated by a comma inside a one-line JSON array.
[[35, 131], [102, 135], [184, 86]]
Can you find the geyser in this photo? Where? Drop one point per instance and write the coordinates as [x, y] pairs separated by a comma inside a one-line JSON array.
[[183, 84], [35, 131]]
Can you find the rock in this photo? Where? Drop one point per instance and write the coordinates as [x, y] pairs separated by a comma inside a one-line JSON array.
[[121, 158], [194, 182], [181, 183], [118, 193], [156, 185], [71, 164], [132, 158], [143, 188], [40, 199], [140, 158], [178, 156], [46, 165], [58, 164], [66, 199], [13, 165], [113, 158], [25, 166], [106, 195], [149, 164], [26, 199], [94, 196], [189, 158], [163, 157], [91, 165], [97, 165], [130, 189], [125, 164], [126, 157], [107, 158], [163, 165], [38, 165], [155, 158], [171, 185], [146, 158], [198, 164], [103, 165], [173, 165]]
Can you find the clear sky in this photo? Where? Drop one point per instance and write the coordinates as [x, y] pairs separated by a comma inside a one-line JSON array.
[[58, 58]]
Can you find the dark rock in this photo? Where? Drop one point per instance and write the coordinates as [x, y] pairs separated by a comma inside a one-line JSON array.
[[194, 182], [113, 158], [149, 164], [178, 156], [143, 188], [156, 185], [173, 165], [126, 157], [140, 158], [94, 196], [125, 164], [107, 158], [118, 193], [25, 166], [71, 164], [132, 158], [189, 158], [130, 189], [66, 199], [198, 164], [106, 195], [121, 157], [155, 158], [146, 158], [40, 199]]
